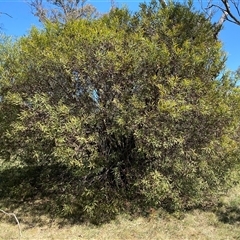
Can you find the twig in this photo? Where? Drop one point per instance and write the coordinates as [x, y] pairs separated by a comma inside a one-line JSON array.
[[12, 214], [6, 14]]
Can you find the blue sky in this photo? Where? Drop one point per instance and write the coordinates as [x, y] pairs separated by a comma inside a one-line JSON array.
[[22, 20]]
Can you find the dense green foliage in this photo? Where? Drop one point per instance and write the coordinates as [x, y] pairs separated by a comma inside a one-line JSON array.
[[122, 111]]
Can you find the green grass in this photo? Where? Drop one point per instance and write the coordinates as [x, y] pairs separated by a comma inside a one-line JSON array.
[[224, 223]]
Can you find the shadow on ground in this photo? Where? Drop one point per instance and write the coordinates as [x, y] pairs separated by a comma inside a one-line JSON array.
[[229, 213], [37, 194]]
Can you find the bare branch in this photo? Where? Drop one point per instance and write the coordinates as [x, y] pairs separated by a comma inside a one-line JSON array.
[[163, 3], [222, 19], [208, 10], [113, 4], [227, 9], [236, 5], [6, 14], [62, 10], [38, 10], [12, 214]]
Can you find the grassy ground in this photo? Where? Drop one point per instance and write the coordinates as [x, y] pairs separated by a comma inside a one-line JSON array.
[[223, 224], [195, 225]]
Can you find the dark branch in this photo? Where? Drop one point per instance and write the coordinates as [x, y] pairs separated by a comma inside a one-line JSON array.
[[227, 13], [228, 10], [6, 14], [236, 7], [163, 3]]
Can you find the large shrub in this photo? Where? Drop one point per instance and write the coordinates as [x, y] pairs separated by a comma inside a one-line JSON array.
[[133, 108]]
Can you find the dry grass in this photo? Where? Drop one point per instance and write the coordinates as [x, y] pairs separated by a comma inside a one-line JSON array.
[[224, 224], [195, 225]]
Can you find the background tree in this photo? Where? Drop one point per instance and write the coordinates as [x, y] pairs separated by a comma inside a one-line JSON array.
[[62, 10]]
